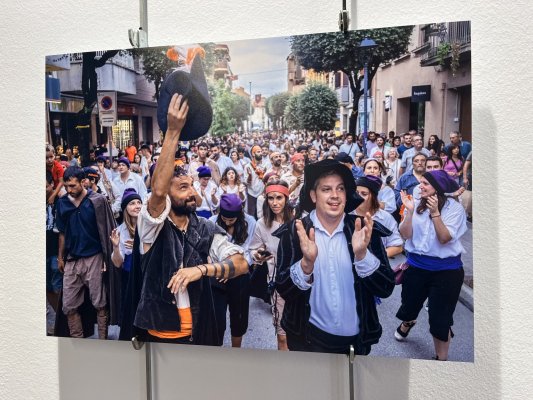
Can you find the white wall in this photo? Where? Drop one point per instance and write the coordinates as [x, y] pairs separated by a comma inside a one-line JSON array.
[[33, 366]]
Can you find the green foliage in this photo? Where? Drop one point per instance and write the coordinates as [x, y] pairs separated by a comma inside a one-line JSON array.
[[442, 52], [229, 109], [454, 63], [156, 65], [275, 107], [338, 51], [241, 109], [317, 108], [209, 61], [291, 113]]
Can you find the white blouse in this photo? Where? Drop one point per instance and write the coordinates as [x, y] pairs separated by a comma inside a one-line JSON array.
[[424, 240], [388, 221]]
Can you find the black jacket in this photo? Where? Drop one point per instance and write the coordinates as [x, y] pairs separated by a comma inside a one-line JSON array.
[[150, 304], [297, 309]]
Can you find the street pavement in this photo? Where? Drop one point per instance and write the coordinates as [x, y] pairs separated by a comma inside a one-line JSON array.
[[419, 343]]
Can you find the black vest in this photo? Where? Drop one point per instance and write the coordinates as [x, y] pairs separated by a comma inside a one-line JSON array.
[[157, 307]]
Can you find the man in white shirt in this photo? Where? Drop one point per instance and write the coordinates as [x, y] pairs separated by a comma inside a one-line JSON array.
[[146, 160], [222, 160], [125, 180], [349, 146], [202, 160], [329, 304], [253, 175]]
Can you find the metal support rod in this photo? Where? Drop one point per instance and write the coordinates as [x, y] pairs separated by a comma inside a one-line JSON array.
[[143, 8], [109, 131], [148, 353], [344, 18], [139, 37], [138, 345], [350, 372], [365, 116]]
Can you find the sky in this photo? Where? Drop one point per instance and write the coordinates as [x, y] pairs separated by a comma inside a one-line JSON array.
[[262, 62]]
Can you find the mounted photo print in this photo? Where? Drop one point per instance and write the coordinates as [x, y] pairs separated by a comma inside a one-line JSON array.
[[305, 193]]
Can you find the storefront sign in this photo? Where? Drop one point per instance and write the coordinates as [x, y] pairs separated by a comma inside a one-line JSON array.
[[421, 93]]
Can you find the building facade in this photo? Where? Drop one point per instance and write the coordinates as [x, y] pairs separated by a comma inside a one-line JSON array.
[[429, 88], [136, 107]]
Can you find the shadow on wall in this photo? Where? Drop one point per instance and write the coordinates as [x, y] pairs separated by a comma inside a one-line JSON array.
[[379, 378]]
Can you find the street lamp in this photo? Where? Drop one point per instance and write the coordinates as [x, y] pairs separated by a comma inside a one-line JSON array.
[[367, 45]]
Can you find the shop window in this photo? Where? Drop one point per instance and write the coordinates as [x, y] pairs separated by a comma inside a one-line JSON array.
[[123, 132]]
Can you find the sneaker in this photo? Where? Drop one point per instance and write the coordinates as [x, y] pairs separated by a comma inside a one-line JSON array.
[[399, 335]]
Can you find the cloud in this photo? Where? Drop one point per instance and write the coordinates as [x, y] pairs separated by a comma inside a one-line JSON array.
[[262, 62]]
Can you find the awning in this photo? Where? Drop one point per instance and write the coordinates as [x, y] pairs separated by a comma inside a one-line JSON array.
[[53, 91]]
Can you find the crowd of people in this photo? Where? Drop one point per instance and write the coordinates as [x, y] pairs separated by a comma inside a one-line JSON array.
[[163, 240]]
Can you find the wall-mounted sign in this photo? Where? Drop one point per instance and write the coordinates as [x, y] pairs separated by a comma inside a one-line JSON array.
[[388, 103], [421, 93]]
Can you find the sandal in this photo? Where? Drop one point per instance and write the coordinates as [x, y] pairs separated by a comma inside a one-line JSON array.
[[400, 335]]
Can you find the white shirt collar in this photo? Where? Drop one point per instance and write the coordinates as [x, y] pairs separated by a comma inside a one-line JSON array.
[[318, 225]]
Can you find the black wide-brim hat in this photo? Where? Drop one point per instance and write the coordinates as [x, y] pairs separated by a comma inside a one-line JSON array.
[[313, 171], [193, 87]]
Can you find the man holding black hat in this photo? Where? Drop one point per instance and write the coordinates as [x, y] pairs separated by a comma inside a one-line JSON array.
[[331, 265], [171, 298]]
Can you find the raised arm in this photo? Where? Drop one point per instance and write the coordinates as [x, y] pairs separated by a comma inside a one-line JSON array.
[[177, 114]]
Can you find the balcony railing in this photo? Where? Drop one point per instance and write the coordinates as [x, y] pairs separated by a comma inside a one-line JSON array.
[[122, 59], [441, 34]]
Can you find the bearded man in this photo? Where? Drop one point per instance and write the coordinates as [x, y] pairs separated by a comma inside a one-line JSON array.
[[174, 302]]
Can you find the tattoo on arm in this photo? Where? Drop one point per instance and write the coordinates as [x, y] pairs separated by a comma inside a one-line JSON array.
[[220, 269], [231, 268]]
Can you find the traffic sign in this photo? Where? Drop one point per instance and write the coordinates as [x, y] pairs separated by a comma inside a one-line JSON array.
[[107, 108]]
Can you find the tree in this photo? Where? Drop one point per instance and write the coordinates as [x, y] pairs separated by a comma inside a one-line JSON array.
[[317, 108], [209, 60], [89, 89], [339, 51], [276, 108], [156, 65], [222, 103], [291, 113], [240, 109]]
